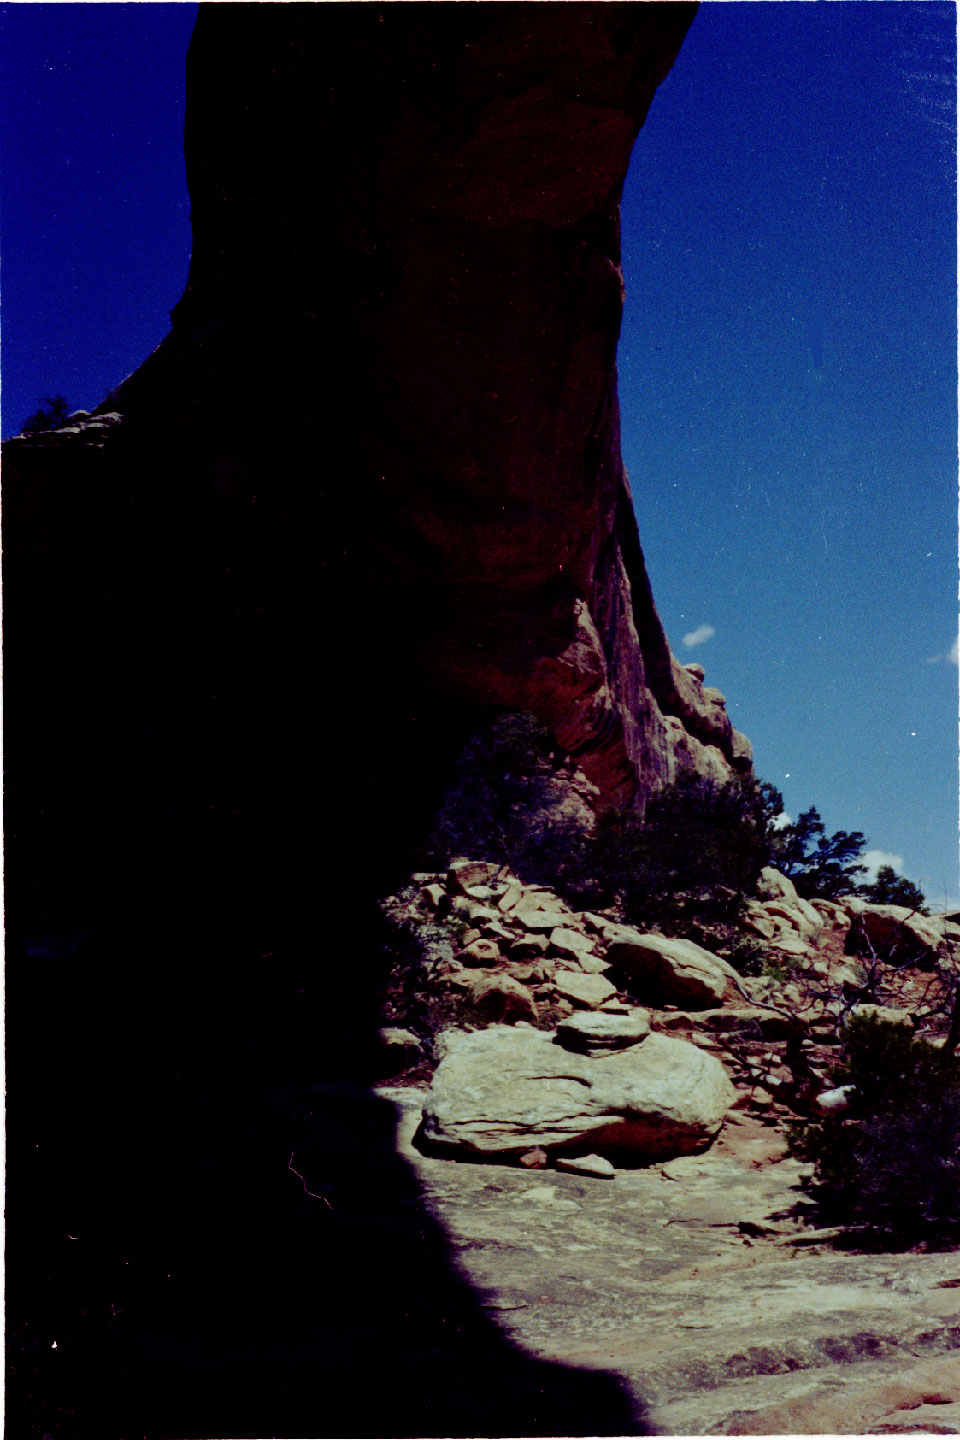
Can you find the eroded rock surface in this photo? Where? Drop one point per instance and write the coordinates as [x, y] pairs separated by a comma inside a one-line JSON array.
[[505, 1090], [700, 1282]]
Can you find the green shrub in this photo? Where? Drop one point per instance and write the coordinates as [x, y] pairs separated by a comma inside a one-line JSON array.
[[698, 850], [503, 804], [889, 888], [821, 866], [890, 1164]]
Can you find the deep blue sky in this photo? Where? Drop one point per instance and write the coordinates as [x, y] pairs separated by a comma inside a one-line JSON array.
[[788, 389], [94, 211], [787, 367]]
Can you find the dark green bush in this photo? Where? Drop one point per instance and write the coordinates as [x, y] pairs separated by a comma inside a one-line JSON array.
[[890, 1164], [821, 866], [696, 853], [698, 850], [503, 804], [889, 888]]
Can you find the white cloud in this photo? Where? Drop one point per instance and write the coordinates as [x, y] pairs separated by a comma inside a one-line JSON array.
[[782, 821], [697, 637], [873, 859], [946, 657]]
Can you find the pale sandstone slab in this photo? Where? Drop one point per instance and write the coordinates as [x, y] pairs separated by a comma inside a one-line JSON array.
[[500, 1092], [590, 991]]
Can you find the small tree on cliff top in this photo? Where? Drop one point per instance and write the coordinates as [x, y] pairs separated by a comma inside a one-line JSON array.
[[821, 866], [49, 415]]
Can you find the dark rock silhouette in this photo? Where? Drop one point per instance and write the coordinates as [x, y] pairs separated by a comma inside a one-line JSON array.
[[368, 489]]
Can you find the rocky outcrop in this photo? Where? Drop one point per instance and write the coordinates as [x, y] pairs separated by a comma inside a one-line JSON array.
[[503, 1091], [774, 1023]]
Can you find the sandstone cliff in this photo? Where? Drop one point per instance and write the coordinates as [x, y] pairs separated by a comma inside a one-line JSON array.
[[370, 486], [399, 336]]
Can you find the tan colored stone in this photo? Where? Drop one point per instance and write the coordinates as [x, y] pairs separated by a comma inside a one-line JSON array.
[[888, 1013], [774, 886], [542, 921], [436, 897], [528, 947], [570, 942], [479, 952], [662, 971], [462, 873], [593, 1030], [501, 1092], [884, 927], [509, 899], [501, 999], [596, 1165], [593, 964], [590, 991]]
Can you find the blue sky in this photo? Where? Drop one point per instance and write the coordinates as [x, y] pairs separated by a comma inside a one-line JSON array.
[[788, 392], [94, 210], [787, 365]]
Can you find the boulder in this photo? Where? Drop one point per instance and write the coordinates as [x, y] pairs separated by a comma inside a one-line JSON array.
[[886, 929], [587, 1165], [593, 964], [592, 1030], [660, 971], [528, 947], [570, 942], [479, 952], [774, 886], [541, 921], [436, 897], [799, 915], [510, 897], [790, 945], [464, 873], [590, 991], [527, 974], [500, 1092], [532, 906], [756, 918], [501, 998], [888, 1013], [831, 913], [493, 930]]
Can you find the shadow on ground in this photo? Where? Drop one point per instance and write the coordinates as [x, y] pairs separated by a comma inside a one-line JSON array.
[[209, 1230]]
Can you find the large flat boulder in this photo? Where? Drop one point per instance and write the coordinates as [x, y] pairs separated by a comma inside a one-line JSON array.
[[500, 1092], [661, 971]]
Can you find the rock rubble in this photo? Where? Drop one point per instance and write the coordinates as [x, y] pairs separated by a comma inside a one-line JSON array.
[[566, 1029]]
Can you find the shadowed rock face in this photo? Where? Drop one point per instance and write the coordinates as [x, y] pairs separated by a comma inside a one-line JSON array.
[[368, 487], [399, 334]]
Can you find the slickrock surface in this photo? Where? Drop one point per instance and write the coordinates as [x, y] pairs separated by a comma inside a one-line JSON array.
[[701, 1280], [697, 1281]]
